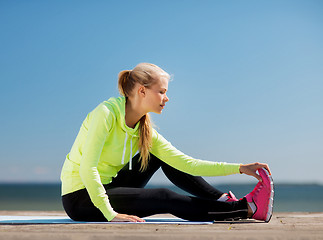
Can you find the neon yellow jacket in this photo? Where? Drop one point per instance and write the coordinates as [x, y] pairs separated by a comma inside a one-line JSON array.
[[105, 144]]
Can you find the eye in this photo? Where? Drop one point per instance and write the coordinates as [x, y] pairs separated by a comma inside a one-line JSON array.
[[162, 91]]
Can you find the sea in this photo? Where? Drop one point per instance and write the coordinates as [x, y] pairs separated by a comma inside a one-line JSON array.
[[46, 197]]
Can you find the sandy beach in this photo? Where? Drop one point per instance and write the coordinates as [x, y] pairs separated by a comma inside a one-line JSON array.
[[297, 225]]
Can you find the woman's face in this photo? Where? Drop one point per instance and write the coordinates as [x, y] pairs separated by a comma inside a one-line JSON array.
[[155, 98]]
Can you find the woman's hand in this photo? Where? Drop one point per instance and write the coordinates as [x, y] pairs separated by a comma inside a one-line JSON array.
[[126, 218], [251, 168]]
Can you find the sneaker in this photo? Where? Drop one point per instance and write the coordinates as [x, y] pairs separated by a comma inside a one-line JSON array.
[[263, 197]]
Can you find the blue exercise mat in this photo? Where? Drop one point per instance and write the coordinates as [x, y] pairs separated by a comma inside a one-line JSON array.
[[67, 220]]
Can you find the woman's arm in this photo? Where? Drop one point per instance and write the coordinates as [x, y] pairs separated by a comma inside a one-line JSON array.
[[168, 153], [100, 122], [165, 151]]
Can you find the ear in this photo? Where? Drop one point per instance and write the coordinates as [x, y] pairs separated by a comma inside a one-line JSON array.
[[142, 91]]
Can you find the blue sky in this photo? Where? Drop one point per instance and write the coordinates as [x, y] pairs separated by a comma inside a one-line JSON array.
[[248, 79]]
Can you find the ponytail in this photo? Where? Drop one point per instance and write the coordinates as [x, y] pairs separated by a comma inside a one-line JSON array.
[[145, 140]]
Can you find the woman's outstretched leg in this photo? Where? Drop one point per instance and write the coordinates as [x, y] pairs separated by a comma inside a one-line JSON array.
[[145, 202]]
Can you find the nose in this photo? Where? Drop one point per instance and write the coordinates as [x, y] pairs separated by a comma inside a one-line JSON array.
[[166, 98]]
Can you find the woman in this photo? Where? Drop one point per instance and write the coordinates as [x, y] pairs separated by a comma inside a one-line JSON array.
[[103, 177]]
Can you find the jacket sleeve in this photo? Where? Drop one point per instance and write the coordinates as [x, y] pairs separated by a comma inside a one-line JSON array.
[[166, 152], [99, 124]]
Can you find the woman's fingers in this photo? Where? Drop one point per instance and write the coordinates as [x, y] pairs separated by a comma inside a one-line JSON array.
[[137, 219], [251, 169], [265, 166], [126, 218]]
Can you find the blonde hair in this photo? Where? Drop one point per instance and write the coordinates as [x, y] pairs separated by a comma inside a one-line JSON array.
[[147, 75]]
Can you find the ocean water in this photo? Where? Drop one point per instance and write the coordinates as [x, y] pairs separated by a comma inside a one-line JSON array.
[[46, 197]]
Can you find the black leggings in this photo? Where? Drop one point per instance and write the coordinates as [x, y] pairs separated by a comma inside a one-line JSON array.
[[127, 195]]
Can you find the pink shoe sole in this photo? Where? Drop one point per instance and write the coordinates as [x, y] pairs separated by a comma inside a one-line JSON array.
[[269, 184], [263, 197]]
